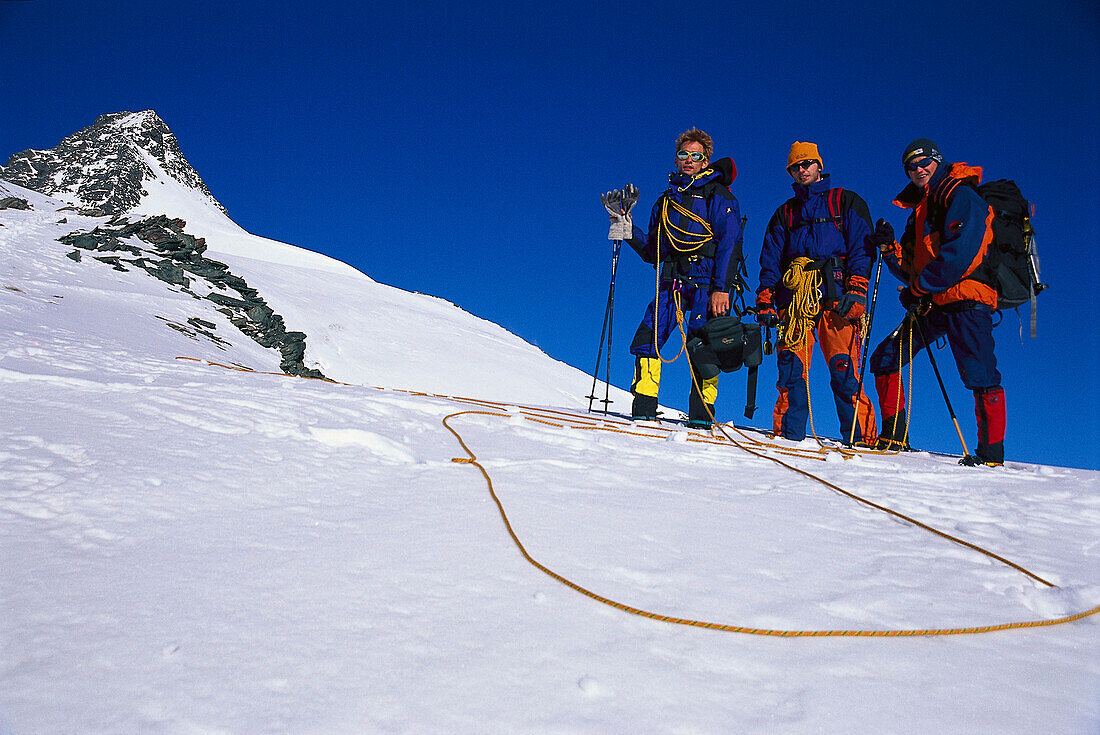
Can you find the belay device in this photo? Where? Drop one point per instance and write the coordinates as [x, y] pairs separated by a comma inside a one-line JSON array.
[[725, 344]]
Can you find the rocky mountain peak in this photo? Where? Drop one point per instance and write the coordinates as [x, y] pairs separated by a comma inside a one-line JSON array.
[[104, 167]]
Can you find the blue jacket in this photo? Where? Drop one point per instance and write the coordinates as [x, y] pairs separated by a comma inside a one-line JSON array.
[[815, 236], [707, 258], [946, 237]]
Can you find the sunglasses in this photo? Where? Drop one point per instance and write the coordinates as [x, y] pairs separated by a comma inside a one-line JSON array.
[[693, 155], [923, 163], [802, 165]]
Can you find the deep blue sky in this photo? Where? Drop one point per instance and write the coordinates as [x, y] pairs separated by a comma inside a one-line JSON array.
[[459, 149]]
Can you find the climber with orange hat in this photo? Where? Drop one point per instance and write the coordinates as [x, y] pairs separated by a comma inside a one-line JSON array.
[[814, 268]]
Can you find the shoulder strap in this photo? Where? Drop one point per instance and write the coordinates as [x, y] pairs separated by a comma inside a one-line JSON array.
[[788, 212], [834, 208], [750, 392], [832, 200], [946, 190]]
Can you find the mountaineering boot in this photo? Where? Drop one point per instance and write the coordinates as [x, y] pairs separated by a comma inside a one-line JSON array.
[[644, 408], [973, 461], [891, 401], [701, 421], [892, 436]]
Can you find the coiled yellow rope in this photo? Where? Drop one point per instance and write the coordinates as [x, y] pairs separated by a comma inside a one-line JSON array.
[[688, 244], [691, 241], [805, 304]]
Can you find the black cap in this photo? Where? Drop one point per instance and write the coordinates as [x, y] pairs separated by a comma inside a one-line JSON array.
[[922, 148]]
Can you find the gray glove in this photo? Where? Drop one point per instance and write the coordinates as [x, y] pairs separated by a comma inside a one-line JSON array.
[[621, 225], [618, 204], [630, 197]]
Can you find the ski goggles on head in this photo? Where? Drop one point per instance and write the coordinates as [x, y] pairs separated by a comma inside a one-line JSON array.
[[693, 155], [802, 165], [923, 163]]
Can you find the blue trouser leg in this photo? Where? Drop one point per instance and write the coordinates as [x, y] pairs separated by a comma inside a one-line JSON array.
[[892, 353], [791, 408], [970, 334], [663, 321]]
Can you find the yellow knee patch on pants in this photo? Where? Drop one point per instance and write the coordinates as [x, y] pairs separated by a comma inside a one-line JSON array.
[[647, 376], [709, 390]]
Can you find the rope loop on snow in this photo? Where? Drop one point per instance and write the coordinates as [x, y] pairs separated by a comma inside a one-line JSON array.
[[553, 417], [472, 459]]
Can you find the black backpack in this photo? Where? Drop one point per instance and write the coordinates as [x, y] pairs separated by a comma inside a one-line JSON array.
[[1012, 264]]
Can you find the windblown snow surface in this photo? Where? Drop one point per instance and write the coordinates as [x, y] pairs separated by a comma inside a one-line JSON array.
[[188, 548]]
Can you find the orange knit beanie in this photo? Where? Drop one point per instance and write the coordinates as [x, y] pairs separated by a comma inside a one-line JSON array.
[[802, 152]]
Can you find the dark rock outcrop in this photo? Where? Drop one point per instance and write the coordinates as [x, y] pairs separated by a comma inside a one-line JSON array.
[[14, 203], [176, 258]]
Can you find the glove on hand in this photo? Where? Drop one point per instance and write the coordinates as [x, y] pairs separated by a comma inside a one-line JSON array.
[[622, 225], [852, 305], [919, 305], [883, 236], [766, 316], [630, 197]]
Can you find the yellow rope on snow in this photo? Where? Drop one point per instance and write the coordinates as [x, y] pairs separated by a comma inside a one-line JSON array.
[[904, 633], [472, 459]]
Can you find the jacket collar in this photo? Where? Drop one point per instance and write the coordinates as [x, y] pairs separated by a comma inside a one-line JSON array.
[[722, 171], [804, 192], [912, 195]]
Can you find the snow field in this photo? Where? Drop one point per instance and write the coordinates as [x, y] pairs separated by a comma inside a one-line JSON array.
[[190, 549], [235, 558]]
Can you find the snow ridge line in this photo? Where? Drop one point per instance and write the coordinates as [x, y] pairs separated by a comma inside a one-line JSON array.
[[472, 460], [585, 423]]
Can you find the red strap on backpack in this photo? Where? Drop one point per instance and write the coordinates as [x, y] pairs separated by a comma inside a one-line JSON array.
[[833, 203], [834, 208]]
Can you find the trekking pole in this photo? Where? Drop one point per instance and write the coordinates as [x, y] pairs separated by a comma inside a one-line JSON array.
[[943, 389], [605, 332], [610, 323], [866, 345]]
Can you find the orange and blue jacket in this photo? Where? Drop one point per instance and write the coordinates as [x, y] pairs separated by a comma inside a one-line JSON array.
[[946, 238]]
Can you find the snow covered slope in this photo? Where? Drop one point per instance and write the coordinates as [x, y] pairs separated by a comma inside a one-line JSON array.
[[194, 549], [356, 330], [190, 549]]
